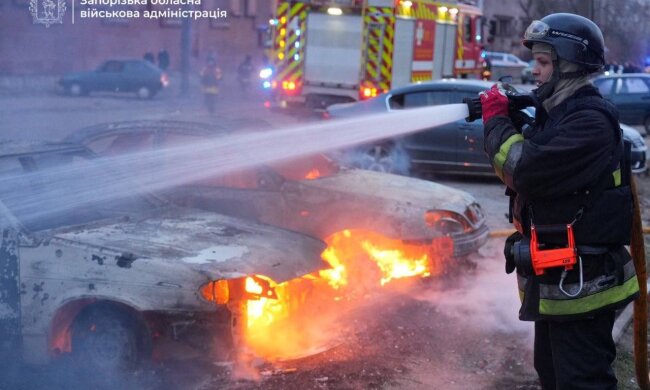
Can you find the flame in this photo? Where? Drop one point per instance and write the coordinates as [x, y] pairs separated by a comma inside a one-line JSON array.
[[393, 259], [337, 275], [394, 265], [313, 174], [360, 262]]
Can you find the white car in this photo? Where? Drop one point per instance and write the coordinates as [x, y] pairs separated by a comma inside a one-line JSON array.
[[505, 64], [639, 148]]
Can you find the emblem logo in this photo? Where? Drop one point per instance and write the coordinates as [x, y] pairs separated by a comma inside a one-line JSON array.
[[47, 12]]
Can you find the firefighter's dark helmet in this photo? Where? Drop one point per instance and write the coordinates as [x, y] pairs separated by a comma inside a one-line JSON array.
[[575, 39]]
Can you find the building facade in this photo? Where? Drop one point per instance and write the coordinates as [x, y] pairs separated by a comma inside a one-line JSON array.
[[505, 23], [27, 48]]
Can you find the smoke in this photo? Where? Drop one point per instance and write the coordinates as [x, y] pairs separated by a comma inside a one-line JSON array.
[[487, 298], [382, 157]]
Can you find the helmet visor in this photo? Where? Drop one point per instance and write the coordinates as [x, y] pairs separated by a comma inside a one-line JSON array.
[[536, 30]]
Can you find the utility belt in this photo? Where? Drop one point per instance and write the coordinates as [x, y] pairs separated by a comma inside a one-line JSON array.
[[534, 256], [605, 219]]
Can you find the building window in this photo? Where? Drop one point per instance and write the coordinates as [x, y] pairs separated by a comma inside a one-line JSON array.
[[504, 25], [467, 28]]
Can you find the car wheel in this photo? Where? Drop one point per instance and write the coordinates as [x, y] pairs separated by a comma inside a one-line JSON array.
[[104, 337], [385, 158], [76, 89], [145, 92]]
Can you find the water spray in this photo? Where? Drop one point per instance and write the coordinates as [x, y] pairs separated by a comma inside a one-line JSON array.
[[64, 188]]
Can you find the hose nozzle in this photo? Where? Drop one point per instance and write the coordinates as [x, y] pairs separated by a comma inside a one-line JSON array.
[[517, 101]]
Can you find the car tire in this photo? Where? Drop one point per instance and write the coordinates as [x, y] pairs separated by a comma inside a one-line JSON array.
[[145, 92], [76, 89], [385, 158], [104, 337]]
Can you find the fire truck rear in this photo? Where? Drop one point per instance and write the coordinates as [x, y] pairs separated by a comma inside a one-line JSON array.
[[324, 54]]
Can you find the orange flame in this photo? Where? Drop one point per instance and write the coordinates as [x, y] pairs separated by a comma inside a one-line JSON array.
[[360, 262], [394, 265], [313, 174]]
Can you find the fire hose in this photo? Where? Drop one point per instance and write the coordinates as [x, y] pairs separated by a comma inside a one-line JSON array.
[[637, 249]]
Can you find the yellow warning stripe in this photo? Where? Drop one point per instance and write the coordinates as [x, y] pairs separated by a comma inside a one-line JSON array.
[[459, 39], [290, 71], [421, 76], [288, 68], [379, 65], [426, 11]]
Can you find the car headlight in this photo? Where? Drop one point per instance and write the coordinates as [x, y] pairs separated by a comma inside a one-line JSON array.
[[474, 213], [216, 291], [447, 222], [637, 142]]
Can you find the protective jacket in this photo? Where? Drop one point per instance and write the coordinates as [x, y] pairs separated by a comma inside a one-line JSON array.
[[570, 168]]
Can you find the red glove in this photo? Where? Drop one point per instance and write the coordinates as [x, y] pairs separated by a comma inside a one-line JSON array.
[[493, 103]]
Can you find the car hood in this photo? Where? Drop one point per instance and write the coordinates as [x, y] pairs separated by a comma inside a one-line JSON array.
[[404, 190], [217, 245]]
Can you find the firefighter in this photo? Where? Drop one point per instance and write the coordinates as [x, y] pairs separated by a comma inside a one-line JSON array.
[[210, 80], [568, 168], [244, 71]]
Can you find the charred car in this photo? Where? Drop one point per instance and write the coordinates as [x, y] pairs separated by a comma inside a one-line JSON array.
[[92, 268], [312, 195]]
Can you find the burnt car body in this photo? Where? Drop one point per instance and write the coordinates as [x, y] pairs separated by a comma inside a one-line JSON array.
[[107, 279], [312, 195], [117, 75], [456, 147]]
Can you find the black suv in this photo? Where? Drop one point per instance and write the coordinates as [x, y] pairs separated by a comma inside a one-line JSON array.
[[630, 93]]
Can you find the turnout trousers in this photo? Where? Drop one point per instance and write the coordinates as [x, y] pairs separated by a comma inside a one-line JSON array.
[[576, 354]]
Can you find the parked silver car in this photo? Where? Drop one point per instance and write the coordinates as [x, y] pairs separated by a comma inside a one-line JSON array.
[[504, 64], [311, 195]]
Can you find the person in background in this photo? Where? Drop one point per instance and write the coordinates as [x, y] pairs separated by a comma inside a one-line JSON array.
[[210, 80], [244, 72], [567, 176], [163, 59], [148, 56]]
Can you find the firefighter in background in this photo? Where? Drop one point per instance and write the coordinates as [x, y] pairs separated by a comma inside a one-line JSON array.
[[244, 72], [568, 169], [210, 80]]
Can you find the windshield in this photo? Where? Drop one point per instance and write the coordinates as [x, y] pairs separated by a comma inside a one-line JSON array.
[[51, 190]]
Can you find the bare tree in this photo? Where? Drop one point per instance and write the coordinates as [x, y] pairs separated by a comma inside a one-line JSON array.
[[625, 23]]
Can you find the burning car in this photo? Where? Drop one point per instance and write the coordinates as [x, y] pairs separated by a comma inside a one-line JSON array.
[[94, 268], [312, 195]]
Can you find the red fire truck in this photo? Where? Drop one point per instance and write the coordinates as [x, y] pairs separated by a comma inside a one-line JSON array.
[[324, 54]]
